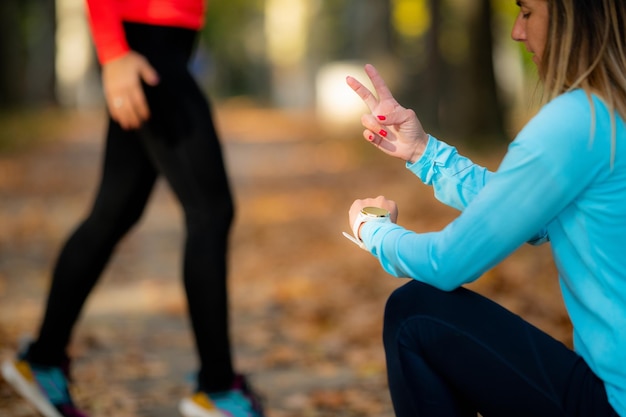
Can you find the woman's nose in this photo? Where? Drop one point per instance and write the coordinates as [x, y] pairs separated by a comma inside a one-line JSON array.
[[518, 33]]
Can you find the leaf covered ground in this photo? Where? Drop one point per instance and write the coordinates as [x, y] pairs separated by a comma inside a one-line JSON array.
[[306, 305]]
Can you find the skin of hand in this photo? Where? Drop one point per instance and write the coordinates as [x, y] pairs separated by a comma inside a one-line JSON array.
[[390, 127], [121, 81], [379, 201]]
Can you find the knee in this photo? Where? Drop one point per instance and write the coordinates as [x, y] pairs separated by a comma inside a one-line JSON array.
[[406, 298], [411, 300], [111, 220], [211, 218], [400, 305]]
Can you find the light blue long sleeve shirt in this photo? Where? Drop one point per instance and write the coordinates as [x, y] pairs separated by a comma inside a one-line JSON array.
[[563, 179]]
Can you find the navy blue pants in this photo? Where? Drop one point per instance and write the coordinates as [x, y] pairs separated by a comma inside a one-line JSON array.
[[458, 354], [180, 144]]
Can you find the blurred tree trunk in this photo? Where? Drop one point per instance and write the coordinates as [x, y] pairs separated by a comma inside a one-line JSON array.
[[435, 72], [39, 86], [425, 71], [11, 59], [27, 52], [449, 74], [481, 114], [366, 28]]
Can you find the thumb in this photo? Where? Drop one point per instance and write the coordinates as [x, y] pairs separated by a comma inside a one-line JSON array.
[[397, 116], [148, 74]]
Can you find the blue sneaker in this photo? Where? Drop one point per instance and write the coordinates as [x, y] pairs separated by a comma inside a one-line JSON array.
[[239, 401], [44, 387]]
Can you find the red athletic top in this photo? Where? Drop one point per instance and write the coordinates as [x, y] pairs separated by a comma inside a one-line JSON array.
[[106, 16]]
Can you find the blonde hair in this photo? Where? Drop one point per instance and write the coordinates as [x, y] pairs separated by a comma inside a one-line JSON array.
[[586, 48]]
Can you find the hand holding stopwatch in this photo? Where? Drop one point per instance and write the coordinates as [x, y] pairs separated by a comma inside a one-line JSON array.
[[367, 214]]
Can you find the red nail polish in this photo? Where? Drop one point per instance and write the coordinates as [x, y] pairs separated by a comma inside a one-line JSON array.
[[383, 133], [381, 117], [371, 138]]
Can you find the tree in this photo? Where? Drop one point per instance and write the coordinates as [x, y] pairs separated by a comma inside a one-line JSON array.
[[475, 108], [448, 70], [27, 50], [10, 52]]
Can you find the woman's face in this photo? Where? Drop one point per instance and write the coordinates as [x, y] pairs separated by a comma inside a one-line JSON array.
[[531, 27]]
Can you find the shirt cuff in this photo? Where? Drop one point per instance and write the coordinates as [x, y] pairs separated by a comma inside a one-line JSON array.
[[422, 167]]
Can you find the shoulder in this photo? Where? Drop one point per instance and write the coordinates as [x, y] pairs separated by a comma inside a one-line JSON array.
[[576, 115], [574, 107], [568, 117], [572, 130]]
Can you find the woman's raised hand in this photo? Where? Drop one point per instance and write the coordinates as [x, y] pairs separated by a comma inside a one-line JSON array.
[[390, 127]]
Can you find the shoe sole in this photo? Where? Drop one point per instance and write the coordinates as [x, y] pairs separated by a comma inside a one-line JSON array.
[[28, 391], [188, 408]]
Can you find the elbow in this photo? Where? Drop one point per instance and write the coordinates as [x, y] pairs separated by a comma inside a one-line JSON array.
[[447, 277], [449, 286], [441, 286]]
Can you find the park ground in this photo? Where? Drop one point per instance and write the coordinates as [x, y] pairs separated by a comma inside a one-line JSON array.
[[306, 304]]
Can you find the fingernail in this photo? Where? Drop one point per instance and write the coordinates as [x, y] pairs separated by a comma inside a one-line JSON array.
[[381, 117], [370, 138], [383, 133]]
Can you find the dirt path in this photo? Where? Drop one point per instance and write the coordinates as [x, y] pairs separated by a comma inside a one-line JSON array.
[[306, 305]]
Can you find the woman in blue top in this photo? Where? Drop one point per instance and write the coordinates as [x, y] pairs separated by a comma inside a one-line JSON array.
[[450, 351]]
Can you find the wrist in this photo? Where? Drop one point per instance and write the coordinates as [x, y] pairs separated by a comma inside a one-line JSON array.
[[418, 150], [369, 214]]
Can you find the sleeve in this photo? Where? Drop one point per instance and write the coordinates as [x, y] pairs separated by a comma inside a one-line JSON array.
[[106, 29], [455, 179], [545, 168]]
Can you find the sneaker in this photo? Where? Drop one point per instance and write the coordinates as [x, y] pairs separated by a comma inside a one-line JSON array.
[[45, 387], [239, 401]]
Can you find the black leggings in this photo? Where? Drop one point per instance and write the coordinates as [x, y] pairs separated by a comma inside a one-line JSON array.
[[180, 143], [459, 354]]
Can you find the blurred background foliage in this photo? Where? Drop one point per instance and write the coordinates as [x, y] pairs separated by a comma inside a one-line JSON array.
[[306, 312], [451, 60]]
